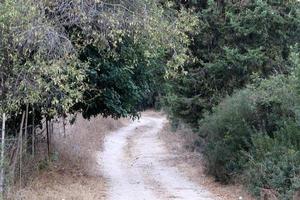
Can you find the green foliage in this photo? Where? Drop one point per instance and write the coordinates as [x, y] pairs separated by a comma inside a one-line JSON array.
[[36, 69], [228, 131], [127, 69], [69, 59], [116, 83], [95, 57], [274, 162], [43, 164], [233, 41], [221, 97], [255, 134]]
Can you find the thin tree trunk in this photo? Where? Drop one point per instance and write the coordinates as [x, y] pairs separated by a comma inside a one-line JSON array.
[[51, 132], [2, 175], [33, 132], [21, 150], [18, 146], [26, 128], [48, 141], [64, 125]]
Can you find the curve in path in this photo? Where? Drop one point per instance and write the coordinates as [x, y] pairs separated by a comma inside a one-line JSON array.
[[133, 161]]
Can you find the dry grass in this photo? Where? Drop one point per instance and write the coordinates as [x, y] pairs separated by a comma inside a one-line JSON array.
[[76, 175], [83, 140], [61, 182], [190, 162]]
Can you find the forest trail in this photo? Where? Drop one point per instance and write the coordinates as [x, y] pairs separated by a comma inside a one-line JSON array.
[[134, 161]]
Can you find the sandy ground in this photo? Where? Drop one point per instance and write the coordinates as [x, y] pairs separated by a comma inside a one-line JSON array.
[[134, 162], [104, 159], [191, 163]]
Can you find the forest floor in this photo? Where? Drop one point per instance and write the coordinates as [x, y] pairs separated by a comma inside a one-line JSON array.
[[137, 160], [181, 144]]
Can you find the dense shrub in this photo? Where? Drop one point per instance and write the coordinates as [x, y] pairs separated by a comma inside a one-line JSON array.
[[228, 131], [254, 134], [274, 162]]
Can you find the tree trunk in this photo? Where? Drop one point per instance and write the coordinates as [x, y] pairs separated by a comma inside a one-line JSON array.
[[21, 148], [48, 141], [26, 128], [2, 175], [64, 125], [51, 132], [19, 145], [33, 133]]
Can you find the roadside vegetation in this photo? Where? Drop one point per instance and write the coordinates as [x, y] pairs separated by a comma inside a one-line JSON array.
[[241, 94], [64, 57], [230, 70]]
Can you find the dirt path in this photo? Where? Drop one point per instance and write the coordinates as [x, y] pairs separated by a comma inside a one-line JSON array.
[[134, 161]]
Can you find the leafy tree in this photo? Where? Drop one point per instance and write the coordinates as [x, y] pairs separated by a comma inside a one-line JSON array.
[[92, 57], [235, 39], [122, 70], [38, 66]]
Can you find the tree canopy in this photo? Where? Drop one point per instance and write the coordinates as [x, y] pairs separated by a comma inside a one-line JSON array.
[[234, 40], [94, 57]]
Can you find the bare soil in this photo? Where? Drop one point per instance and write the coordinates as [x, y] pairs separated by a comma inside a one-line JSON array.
[[137, 160], [135, 164], [191, 163]]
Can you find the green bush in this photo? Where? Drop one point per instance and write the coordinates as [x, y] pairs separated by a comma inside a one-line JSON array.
[[274, 162], [228, 131], [254, 134]]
